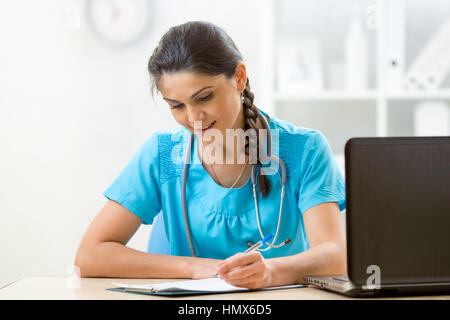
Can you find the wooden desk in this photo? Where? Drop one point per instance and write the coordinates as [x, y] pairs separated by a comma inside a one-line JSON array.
[[67, 288]]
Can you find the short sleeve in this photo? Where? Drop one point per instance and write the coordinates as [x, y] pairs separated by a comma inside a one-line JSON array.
[[320, 178], [137, 187]]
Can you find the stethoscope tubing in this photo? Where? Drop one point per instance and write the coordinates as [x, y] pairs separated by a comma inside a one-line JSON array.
[[187, 161], [255, 168]]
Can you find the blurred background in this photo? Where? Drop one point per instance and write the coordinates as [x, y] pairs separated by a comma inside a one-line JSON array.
[[75, 102]]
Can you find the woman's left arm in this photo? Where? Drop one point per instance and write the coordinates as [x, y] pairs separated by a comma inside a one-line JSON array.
[[326, 256]]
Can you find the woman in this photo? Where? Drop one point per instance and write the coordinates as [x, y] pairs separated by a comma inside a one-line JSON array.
[[201, 75]]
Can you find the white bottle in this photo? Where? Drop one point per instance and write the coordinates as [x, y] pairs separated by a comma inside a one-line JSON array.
[[356, 53]]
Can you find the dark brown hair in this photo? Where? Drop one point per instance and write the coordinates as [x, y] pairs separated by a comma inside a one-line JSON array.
[[204, 48]]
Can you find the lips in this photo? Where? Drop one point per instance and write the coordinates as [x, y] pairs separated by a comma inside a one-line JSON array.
[[209, 127]]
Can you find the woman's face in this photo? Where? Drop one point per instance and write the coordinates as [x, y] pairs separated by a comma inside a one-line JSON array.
[[212, 100]]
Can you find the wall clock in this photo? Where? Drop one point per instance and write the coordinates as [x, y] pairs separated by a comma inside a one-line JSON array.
[[119, 22]]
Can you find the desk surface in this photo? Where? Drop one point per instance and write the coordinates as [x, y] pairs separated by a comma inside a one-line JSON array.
[[62, 288]]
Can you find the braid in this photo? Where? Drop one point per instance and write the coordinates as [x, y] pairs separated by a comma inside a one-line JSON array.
[[251, 116]]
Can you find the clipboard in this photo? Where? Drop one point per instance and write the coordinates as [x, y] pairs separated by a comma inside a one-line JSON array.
[[189, 287]]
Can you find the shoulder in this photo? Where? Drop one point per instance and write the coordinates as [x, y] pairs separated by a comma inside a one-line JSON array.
[[167, 135], [161, 141], [163, 147], [297, 146], [293, 137]]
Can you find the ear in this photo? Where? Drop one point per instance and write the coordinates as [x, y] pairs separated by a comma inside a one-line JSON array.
[[240, 75]]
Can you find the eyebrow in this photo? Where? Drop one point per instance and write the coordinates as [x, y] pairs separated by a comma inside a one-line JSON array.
[[192, 97]]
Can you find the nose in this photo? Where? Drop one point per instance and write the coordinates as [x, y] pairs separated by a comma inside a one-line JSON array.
[[194, 114]]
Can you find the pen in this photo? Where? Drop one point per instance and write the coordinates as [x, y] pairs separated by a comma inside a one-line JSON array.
[[254, 247]]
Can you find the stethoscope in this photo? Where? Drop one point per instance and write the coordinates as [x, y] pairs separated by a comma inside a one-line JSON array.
[[255, 168]]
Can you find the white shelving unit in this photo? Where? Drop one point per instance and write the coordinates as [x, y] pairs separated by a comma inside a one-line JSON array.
[[377, 101], [328, 95]]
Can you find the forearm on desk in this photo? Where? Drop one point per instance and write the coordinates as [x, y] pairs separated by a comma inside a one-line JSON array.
[[323, 259], [115, 260]]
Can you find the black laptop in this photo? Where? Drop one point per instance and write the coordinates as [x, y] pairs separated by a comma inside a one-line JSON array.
[[397, 218]]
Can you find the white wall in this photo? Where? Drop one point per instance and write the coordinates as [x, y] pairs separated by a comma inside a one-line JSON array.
[[72, 113]]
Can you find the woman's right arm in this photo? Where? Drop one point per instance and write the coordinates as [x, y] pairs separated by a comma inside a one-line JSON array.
[[103, 252]]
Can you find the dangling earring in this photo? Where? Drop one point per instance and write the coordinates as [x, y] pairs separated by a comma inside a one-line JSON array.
[[242, 98]]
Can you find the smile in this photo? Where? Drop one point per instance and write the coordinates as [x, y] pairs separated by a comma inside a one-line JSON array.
[[209, 127]]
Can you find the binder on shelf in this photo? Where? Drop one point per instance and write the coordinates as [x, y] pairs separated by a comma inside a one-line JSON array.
[[395, 44]]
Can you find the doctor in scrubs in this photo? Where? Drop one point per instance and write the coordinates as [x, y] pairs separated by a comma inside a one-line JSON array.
[[200, 73]]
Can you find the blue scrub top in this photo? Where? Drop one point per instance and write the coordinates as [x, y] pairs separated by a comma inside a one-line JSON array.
[[223, 220]]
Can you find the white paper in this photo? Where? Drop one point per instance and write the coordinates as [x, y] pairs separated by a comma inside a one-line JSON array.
[[203, 285]]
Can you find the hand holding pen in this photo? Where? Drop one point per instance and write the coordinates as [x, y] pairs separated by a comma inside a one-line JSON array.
[[247, 269], [253, 247]]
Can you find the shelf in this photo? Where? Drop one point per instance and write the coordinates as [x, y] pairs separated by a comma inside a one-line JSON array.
[[326, 95], [380, 107], [342, 95], [439, 94]]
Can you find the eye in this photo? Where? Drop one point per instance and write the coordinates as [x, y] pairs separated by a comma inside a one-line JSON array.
[[206, 98], [178, 106]]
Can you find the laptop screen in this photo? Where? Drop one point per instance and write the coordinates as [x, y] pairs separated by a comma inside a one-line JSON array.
[[398, 209]]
